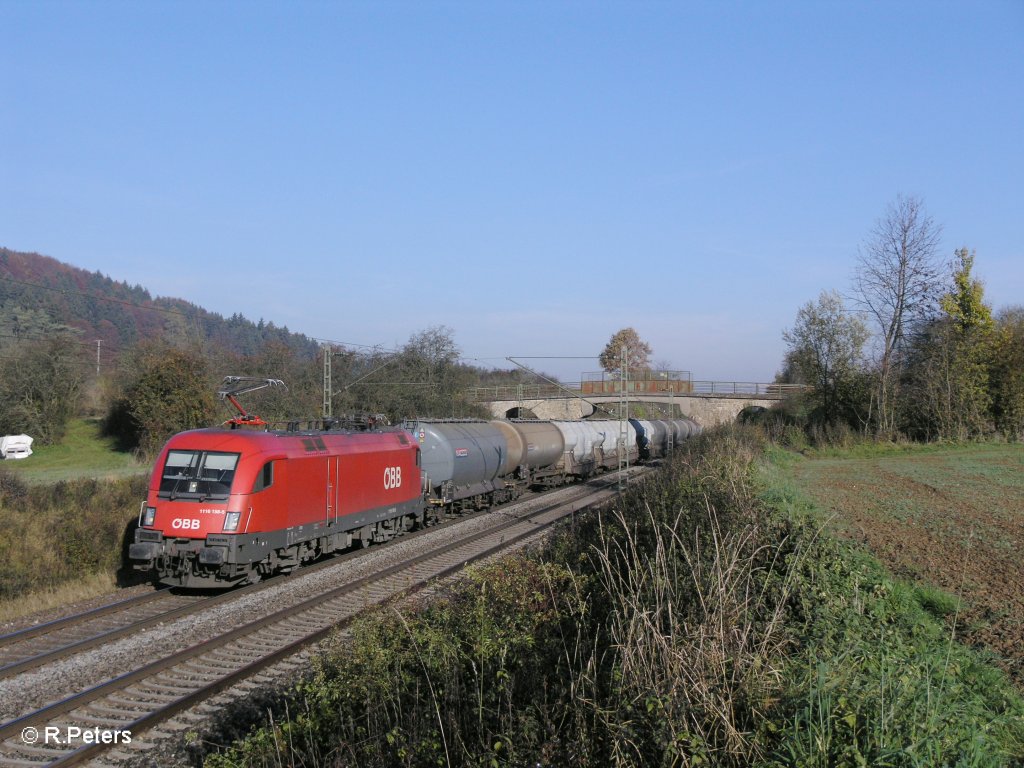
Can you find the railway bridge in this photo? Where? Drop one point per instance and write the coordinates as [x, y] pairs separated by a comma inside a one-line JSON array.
[[707, 402]]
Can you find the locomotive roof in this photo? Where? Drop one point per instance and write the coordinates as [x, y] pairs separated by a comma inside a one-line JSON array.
[[252, 434]]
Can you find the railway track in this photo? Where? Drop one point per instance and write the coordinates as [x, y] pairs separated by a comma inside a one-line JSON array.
[[83, 725], [42, 644]]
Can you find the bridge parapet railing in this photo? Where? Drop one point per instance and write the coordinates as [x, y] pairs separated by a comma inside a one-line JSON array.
[[517, 392], [768, 391], [771, 391]]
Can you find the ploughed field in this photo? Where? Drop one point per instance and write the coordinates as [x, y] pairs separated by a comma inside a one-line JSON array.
[[949, 517]]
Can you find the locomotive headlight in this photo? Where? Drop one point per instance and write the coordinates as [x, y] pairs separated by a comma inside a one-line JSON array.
[[149, 516], [231, 520]]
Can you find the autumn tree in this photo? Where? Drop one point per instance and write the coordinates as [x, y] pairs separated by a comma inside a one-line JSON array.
[[898, 281], [826, 345], [303, 376], [425, 378], [638, 352], [965, 304], [1007, 373], [164, 390], [41, 387], [948, 368]]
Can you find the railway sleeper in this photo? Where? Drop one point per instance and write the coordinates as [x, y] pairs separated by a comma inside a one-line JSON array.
[[169, 688], [23, 748], [115, 713], [95, 715]]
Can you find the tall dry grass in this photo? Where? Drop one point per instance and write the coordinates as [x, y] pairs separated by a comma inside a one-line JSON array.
[[694, 582], [57, 597], [56, 536], [696, 633]]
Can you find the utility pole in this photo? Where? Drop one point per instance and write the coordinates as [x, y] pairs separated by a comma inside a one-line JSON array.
[[327, 381], [623, 446], [672, 415], [98, 343]]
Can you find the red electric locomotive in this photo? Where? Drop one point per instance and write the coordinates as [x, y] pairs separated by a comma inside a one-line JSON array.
[[226, 506]]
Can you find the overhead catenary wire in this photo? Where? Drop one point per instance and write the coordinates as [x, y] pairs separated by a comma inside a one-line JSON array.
[[350, 344]]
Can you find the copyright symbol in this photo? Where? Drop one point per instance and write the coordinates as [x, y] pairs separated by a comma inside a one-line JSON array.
[[30, 735]]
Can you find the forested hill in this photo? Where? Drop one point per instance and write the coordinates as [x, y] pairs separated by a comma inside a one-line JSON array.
[[40, 296]]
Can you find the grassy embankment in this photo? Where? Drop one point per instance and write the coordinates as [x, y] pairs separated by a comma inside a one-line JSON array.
[[710, 618], [63, 514], [83, 453]]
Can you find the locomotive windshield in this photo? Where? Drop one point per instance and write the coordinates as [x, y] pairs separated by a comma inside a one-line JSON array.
[[198, 475]]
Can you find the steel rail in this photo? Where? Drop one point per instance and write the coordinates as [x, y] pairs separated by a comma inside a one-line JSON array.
[[35, 630]]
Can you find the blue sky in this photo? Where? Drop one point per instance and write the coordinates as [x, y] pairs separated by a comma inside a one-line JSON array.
[[535, 175]]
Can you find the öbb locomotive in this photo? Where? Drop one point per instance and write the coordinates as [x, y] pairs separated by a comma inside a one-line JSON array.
[[230, 506]]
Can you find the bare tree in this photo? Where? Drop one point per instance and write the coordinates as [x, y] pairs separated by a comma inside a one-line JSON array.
[[898, 281]]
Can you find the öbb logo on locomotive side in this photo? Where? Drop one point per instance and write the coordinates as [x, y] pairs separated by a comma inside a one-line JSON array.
[[186, 524], [392, 477]]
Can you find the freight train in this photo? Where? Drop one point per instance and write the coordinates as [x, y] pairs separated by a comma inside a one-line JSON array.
[[227, 506]]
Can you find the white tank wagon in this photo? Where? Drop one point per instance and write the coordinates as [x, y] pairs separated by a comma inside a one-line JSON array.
[[470, 464]]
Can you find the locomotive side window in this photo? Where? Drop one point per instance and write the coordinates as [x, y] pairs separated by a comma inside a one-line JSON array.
[[265, 478], [198, 475]]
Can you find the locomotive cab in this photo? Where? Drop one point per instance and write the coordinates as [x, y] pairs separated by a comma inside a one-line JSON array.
[[198, 504]]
